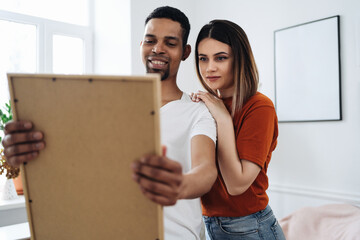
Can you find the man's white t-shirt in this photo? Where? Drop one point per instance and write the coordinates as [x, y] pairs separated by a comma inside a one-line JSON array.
[[180, 121]]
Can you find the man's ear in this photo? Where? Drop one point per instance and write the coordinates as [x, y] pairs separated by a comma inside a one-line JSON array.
[[186, 52]]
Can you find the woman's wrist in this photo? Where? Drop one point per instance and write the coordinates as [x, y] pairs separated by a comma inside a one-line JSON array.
[[224, 119]]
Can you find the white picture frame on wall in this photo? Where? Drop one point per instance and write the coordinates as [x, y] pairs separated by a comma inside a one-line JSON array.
[[307, 71], [358, 43]]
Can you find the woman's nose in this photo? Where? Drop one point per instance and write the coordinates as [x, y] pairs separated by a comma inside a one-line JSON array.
[[211, 67]]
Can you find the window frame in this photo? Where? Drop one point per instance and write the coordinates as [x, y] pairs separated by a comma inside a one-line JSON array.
[[45, 30]]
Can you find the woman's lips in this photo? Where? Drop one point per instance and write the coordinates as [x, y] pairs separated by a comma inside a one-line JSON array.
[[212, 78]]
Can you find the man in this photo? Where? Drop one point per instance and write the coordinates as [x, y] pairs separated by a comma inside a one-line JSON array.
[[187, 170]]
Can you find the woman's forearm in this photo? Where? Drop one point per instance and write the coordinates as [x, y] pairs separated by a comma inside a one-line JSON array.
[[238, 174]]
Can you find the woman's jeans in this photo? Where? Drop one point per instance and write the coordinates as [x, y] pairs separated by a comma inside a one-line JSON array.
[[260, 225]]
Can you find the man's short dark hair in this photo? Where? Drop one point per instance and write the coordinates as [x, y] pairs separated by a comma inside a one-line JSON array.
[[175, 15]]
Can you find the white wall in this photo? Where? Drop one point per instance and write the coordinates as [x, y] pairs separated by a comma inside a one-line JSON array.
[[112, 38], [315, 162]]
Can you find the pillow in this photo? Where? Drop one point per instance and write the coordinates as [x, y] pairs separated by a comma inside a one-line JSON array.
[[333, 221]]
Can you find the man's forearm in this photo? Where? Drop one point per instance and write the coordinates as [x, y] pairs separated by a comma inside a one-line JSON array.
[[198, 182]]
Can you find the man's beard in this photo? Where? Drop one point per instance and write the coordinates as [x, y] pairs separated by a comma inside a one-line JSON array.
[[164, 76]]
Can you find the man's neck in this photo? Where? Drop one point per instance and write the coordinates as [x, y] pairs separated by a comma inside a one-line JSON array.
[[169, 91]]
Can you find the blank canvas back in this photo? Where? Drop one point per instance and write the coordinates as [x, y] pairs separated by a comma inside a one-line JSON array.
[[80, 186]]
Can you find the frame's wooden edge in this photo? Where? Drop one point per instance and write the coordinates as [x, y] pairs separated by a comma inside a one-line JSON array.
[[22, 168], [27, 202], [161, 222], [157, 103], [147, 77]]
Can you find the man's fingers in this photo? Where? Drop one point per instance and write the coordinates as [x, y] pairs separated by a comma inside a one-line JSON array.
[[157, 192], [158, 174], [162, 162], [16, 138], [17, 160], [17, 126], [156, 187], [19, 149], [163, 149], [159, 199], [159, 178]]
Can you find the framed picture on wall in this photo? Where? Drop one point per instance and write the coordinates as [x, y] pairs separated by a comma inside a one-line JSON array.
[[307, 71]]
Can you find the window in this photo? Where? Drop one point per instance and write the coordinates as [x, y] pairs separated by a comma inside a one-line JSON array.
[[67, 54], [18, 52], [69, 11], [32, 44], [41, 36]]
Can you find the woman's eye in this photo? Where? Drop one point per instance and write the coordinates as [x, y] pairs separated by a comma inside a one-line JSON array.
[[202, 59], [221, 58]]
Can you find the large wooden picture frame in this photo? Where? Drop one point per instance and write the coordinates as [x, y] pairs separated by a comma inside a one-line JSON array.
[[80, 186], [307, 71]]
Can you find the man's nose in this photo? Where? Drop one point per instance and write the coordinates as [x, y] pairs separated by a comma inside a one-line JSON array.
[[158, 48]]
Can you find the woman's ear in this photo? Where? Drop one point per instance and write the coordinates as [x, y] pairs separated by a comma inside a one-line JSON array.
[[186, 52]]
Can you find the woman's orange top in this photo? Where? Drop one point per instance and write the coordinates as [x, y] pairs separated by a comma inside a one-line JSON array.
[[256, 131]]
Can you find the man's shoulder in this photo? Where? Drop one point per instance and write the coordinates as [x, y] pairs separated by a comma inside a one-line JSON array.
[[187, 99], [186, 108], [199, 107]]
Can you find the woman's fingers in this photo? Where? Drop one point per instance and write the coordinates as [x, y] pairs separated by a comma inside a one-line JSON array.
[[194, 97]]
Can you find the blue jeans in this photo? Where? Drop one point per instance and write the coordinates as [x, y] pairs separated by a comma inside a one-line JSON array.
[[260, 225]]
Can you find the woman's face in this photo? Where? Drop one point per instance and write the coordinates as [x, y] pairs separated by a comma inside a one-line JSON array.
[[216, 66]]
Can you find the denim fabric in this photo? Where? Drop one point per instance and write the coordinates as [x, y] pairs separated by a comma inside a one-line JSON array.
[[260, 225]]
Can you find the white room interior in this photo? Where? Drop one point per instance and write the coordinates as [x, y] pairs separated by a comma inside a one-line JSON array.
[[315, 163]]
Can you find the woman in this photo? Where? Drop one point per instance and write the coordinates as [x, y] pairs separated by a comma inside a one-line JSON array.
[[237, 205]]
